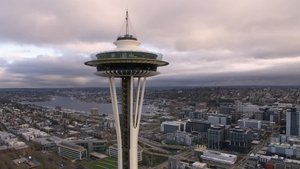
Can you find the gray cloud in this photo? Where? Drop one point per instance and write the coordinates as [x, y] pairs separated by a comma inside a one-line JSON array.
[[206, 42], [49, 65], [3, 62], [54, 21], [47, 71], [225, 79]]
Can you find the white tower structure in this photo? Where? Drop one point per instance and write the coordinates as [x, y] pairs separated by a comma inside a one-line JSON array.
[[133, 65]]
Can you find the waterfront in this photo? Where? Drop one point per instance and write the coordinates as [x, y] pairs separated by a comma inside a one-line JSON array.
[[74, 104]]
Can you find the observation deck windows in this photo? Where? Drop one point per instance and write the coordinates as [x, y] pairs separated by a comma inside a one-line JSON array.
[[127, 66], [110, 55]]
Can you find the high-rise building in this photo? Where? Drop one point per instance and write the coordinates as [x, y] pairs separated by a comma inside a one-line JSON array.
[[216, 137], [240, 140], [128, 62], [293, 122]]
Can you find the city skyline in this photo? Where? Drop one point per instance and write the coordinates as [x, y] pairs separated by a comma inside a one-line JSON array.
[[44, 44]]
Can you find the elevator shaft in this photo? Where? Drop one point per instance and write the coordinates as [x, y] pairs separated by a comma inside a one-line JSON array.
[[126, 121]]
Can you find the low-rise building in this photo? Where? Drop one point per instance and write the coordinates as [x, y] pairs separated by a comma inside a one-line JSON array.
[[11, 141], [175, 163], [198, 165], [218, 158], [197, 126], [199, 130], [274, 162], [179, 138], [92, 145], [26, 162], [46, 144], [71, 151], [172, 126], [249, 123], [284, 150], [219, 119], [32, 133], [284, 146]]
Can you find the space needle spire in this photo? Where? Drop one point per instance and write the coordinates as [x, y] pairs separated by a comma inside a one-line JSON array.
[[132, 64], [127, 27]]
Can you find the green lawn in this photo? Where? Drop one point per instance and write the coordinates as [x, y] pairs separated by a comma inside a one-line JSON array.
[[106, 163]]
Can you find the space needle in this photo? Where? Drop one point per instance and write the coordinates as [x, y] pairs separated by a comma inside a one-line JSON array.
[[133, 65]]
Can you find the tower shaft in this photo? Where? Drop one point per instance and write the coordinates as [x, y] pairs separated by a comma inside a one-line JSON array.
[[127, 123], [126, 120]]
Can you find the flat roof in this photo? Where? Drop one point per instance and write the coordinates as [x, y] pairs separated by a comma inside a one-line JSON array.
[[219, 157], [71, 146], [173, 122], [98, 155]]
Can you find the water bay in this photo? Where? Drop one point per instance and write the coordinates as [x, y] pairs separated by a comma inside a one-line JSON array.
[[74, 104]]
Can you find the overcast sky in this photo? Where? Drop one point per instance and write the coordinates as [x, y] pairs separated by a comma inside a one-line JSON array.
[[44, 43]]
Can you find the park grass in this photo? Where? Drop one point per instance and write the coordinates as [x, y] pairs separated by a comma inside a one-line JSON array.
[[106, 163]]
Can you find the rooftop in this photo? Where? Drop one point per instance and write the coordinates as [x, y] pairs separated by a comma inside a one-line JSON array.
[[219, 157], [71, 146]]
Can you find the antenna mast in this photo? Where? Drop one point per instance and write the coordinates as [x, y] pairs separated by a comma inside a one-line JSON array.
[[127, 27]]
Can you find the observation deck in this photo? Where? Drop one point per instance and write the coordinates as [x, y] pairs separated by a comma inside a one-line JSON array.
[[127, 59]]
